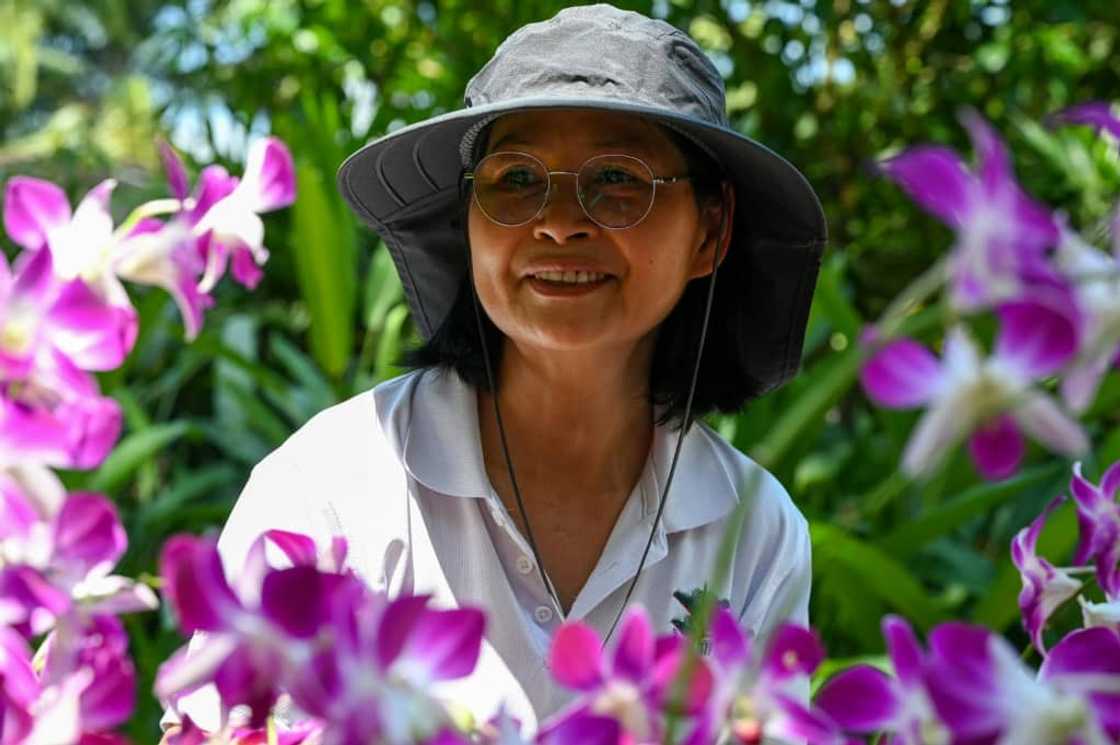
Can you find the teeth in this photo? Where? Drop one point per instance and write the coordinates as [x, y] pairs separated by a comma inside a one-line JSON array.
[[571, 277]]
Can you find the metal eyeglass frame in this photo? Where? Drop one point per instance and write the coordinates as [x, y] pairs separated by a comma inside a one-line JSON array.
[[655, 180]]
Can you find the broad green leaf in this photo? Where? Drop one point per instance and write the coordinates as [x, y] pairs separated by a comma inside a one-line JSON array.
[[910, 536], [391, 344], [323, 244], [133, 452], [383, 289], [879, 572]]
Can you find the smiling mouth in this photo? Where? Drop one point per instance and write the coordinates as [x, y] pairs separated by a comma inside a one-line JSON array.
[[571, 278]]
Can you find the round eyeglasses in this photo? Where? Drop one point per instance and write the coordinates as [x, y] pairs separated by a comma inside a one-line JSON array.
[[615, 191]]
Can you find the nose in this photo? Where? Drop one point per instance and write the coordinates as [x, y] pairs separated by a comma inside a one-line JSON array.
[[562, 219]]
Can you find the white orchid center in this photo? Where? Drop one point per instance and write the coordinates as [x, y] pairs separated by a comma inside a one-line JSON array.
[[623, 701]]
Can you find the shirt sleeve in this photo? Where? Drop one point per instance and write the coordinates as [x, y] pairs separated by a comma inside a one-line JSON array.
[[272, 498]]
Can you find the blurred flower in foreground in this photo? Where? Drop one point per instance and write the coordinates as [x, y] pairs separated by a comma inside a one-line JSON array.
[[1002, 233], [1044, 586], [628, 685], [57, 552], [864, 699], [759, 689], [989, 401], [1097, 114], [1098, 516]]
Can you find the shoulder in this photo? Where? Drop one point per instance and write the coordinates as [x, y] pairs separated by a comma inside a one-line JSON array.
[[770, 511], [772, 567], [366, 427]]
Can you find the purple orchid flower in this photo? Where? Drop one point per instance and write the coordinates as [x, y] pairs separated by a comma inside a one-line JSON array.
[[224, 215], [19, 688], [983, 692], [378, 680], [633, 685], [81, 304], [1044, 586], [863, 699], [1095, 278], [1098, 516], [1002, 233], [1097, 114], [98, 648], [57, 553], [989, 401], [760, 692]]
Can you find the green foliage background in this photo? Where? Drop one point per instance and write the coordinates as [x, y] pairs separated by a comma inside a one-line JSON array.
[[85, 88]]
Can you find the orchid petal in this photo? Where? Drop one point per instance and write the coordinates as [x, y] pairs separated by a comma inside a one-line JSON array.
[[32, 209], [997, 448], [1036, 339], [29, 602], [793, 650], [1097, 114], [95, 334], [189, 668], [1044, 587], [861, 699], [633, 654], [1110, 481], [243, 265], [902, 374], [1080, 382], [446, 644], [994, 160], [1041, 418], [249, 676], [730, 647], [1081, 659], [176, 173], [581, 729], [269, 180], [936, 179], [905, 652], [195, 584], [938, 430], [397, 624], [575, 657], [298, 599], [214, 185], [88, 534]]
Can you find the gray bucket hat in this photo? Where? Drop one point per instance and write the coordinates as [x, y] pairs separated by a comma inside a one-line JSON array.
[[407, 185]]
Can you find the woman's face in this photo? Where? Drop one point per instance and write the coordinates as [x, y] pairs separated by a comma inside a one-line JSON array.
[[645, 267]]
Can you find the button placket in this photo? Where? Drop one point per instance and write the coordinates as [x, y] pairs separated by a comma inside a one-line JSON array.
[[524, 564], [544, 614]]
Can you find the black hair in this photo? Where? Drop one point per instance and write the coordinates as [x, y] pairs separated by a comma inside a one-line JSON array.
[[724, 383]]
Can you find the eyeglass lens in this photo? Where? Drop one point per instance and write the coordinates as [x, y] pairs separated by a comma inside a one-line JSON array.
[[616, 191]]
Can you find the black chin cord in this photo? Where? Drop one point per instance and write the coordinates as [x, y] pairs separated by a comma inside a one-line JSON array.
[[686, 422]]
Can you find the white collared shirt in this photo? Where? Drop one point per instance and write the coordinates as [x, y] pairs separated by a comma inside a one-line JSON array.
[[437, 526]]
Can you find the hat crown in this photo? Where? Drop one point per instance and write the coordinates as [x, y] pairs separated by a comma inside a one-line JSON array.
[[600, 51]]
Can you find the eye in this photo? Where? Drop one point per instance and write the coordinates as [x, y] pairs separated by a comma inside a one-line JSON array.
[[519, 177], [614, 175]]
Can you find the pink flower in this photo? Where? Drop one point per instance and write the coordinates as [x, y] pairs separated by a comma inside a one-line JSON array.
[[1001, 232], [631, 685], [82, 305], [989, 401], [865, 700], [57, 553], [1098, 515], [1044, 586]]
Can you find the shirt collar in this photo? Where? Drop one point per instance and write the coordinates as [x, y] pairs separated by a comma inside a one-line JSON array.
[[442, 450]]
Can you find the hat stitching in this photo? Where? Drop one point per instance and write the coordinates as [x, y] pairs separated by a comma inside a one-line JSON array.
[[385, 181]]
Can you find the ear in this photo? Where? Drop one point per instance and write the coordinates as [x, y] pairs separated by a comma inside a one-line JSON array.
[[714, 244]]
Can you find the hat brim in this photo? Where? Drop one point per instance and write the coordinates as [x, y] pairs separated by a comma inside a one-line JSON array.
[[405, 186]]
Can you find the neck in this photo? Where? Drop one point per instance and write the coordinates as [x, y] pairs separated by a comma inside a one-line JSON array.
[[584, 421]]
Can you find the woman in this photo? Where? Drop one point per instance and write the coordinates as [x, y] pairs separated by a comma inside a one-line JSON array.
[[559, 241]]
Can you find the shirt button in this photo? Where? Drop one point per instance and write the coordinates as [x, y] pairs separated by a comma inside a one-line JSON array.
[[524, 564], [543, 614]]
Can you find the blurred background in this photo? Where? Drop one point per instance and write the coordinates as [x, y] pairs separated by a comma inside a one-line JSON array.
[[86, 88]]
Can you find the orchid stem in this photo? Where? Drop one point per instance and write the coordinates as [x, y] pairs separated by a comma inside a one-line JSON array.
[[149, 209], [924, 286]]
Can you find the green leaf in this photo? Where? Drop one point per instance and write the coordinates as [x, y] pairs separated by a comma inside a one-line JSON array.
[[133, 452], [909, 537], [879, 573], [391, 344], [383, 289], [323, 244]]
